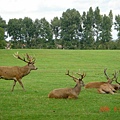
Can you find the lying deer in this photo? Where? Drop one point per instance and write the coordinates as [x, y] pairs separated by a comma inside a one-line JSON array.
[[16, 73], [68, 92], [103, 87]]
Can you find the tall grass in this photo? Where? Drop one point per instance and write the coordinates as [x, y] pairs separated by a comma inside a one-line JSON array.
[[52, 65]]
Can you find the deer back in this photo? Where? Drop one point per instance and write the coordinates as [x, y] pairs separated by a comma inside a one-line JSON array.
[[62, 93], [8, 72], [94, 84]]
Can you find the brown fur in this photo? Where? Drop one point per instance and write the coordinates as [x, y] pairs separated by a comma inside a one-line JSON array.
[[68, 92], [94, 84], [104, 87], [16, 73]]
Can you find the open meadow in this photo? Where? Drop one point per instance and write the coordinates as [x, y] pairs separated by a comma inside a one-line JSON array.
[[34, 104]]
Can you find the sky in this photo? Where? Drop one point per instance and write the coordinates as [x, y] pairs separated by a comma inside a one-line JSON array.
[[37, 9]]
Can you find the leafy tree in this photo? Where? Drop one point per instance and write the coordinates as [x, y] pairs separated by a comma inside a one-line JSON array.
[[70, 24], [97, 26], [117, 25], [55, 25], [2, 41], [87, 40], [14, 30], [43, 33], [56, 28], [2, 23], [106, 35], [28, 31], [2, 32]]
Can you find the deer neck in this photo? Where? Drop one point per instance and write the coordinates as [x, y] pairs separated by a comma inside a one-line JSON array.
[[25, 70], [109, 81], [77, 88]]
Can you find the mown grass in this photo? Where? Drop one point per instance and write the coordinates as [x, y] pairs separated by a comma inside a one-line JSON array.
[[52, 65]]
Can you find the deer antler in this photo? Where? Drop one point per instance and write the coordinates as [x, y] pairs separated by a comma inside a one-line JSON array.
[[117, 81], [74, 78], [115, 74], [82, 75], [106, 73], [29, 58]]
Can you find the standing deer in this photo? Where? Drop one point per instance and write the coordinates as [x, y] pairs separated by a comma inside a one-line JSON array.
[[16, 73], [68, 92], [103, 87]]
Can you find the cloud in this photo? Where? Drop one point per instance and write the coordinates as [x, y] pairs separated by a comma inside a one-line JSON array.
[[51, 8]]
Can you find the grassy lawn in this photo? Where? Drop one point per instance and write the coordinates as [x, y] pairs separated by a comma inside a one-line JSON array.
[[34, 104]]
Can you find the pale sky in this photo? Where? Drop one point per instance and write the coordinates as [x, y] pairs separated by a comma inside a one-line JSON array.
[[49, 9]]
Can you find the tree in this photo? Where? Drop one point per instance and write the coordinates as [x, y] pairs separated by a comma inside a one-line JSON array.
[[87, 40], [55, 25], [43, 33], [97, 26], [106, 35], [14, 29], [70, 24], [2, 32], [2, 23], [56, 28], [28, 31], [2, 41], [117, 25]]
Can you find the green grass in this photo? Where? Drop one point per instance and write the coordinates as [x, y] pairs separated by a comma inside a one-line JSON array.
[[52, 65]]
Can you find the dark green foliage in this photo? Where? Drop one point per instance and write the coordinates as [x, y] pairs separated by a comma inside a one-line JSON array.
[[70, 24], [2, 33], [117, 25], [91, 30]]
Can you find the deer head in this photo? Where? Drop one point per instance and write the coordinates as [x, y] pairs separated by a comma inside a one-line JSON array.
[[30, 60]]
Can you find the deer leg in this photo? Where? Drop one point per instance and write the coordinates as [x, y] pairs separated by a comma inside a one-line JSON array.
[[72, 96], [101, 91], [14, 84], [20, 82], [111, 92]]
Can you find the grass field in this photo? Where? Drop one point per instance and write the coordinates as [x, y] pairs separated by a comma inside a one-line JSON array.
[[34, 104]]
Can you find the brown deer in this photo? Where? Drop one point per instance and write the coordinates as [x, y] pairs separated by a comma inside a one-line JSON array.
[[16, 73], [68, 92], [103, 87]]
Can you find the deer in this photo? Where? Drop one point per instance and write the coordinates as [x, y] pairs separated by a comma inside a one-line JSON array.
[[104, 87], [16, 73], [69, 93]]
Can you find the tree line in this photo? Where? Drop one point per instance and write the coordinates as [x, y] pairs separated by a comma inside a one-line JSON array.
[[89, 30]]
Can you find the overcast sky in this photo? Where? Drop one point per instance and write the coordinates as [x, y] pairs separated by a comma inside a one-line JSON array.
[[51, 8]]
